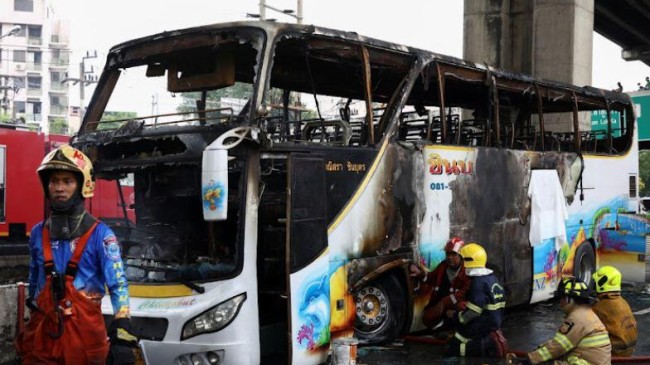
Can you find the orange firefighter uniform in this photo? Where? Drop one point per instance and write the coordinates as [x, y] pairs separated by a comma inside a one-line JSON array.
[[581, 340], [617, 316], [68, 327]]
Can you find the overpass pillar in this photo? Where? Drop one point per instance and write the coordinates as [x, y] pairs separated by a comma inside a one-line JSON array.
[[550, 39]]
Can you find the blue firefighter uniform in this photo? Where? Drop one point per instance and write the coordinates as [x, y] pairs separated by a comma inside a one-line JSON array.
[[100, 264], [478, 332]]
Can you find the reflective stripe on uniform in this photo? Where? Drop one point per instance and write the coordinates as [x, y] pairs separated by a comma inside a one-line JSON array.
[[496, 306], [575, 360], [600, 339], [462, 349], [474, 307], [563, 341], [544, 353], [461, 338]]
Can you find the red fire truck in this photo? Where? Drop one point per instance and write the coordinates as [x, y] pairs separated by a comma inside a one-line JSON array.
[[22, 201]]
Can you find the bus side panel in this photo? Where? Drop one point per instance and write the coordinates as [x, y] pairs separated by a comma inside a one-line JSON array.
[[310, 313], [606, 215], [476, 194]]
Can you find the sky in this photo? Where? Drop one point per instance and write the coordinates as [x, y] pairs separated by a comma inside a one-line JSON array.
[[435, 25]]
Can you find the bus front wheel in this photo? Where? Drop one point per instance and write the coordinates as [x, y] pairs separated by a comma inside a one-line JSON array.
[[584, 263], [380, 310]]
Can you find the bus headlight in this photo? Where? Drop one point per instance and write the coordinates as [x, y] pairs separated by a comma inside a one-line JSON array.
[[214, 318]]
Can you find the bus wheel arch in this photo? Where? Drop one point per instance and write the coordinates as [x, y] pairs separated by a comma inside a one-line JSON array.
[[380, 309], [584, 262]]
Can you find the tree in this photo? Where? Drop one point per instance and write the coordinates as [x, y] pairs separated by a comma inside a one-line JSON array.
[[644, 173], [58, 126], [109, 116]]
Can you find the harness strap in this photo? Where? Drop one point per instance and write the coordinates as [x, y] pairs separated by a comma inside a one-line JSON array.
[[72, 267]]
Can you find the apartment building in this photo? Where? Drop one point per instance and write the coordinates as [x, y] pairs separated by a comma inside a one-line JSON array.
[[33, 62]]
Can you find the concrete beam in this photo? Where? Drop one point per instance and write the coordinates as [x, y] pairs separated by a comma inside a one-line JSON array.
[[550, 39]]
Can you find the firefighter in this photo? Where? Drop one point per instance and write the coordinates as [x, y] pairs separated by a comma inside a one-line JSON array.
[[479, 325], [74, 257], [614, 311], [449, 283], [582, 338]]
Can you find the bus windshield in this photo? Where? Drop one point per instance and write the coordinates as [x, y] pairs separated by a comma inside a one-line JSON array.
[[169, 241], [164, 102]]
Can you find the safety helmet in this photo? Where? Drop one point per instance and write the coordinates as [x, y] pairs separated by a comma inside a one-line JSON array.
[[454, 245], [575, 288], [474, 255], [607, 279], [68, 158]]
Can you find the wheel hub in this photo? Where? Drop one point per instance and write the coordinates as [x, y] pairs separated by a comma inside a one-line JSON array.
[[371, 306]]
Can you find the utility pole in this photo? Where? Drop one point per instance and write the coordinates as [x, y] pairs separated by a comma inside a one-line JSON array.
[[85, 78], [5, 87], [288, 12]]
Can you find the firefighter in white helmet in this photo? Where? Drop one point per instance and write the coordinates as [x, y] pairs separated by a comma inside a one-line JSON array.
[[74, 258]]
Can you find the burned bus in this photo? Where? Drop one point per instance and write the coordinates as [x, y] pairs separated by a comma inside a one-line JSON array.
[[287, 175]]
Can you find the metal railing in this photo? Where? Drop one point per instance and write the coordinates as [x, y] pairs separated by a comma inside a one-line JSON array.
[[32, 66], [58, 110], [34, 41]]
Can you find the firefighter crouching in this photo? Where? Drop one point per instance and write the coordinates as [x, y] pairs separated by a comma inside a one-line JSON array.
[[614, 311], [74, 257], [479, 325], [449, 284], [582, 338]]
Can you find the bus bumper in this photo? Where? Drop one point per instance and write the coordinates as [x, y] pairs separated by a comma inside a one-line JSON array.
[[177, 353]]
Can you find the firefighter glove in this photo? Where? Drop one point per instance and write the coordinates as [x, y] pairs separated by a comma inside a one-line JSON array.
[[512, 359], [123, 342]]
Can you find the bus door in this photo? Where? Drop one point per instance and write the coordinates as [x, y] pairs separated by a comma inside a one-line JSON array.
[[307, 260]]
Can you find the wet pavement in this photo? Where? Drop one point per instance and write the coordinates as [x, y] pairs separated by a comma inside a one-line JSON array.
[[525, 327]]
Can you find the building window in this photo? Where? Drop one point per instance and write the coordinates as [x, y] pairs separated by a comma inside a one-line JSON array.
[[19, 107], [33, 82], [20, 56], [24, 5], [34, 31]]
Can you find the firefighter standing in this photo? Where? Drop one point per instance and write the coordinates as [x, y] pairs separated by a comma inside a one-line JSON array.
[[614, 311], [449, 283], [479, 325], [73, 258], [582, 338]]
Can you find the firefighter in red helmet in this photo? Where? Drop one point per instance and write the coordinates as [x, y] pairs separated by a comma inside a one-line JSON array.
[[74, 260], [449, 284]]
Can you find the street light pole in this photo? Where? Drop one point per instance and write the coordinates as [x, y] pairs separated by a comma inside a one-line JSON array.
[[4, 86], [13, 31]]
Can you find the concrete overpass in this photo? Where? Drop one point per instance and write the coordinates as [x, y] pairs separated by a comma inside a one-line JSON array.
[[626, 23], [553, 39]]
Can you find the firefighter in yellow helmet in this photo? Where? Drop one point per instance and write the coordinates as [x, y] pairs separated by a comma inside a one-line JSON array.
[[614, 311], [479, 325], [582, 338], [75, 258]]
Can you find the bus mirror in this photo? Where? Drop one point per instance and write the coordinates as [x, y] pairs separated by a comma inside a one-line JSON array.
[[214, 184], [214, 173]]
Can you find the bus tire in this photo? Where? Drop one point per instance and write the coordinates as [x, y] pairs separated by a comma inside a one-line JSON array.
[[380, 310], [584, 263]]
